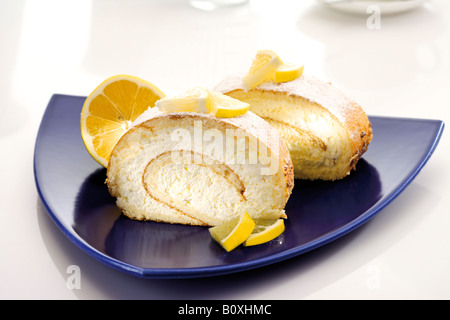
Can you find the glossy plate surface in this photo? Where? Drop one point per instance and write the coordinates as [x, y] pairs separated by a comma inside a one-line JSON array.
[[71, 186]]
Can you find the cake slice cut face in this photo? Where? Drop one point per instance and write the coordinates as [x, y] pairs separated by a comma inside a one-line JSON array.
[[197, 169], [325, 131]]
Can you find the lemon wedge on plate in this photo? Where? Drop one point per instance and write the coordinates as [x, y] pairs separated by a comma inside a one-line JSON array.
[[199, 99], [288, 72], [233, 232], [265, 230], [110, 109], [262, 69]]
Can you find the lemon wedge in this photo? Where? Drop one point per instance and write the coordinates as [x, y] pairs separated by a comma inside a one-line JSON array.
[[199, 99], [288, 72], [263, 69], [223, 106], [265, 230], [192, 100], [233, 232], [110, 109]]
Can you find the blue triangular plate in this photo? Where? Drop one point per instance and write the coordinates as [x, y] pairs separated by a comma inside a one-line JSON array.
[[72, 187]]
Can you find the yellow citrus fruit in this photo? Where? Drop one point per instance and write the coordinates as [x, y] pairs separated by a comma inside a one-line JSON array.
[[265, 231], [223, 106], [233, 232], [263, 69], [110, 109], [288, 72], [201, 100], [192, 100]]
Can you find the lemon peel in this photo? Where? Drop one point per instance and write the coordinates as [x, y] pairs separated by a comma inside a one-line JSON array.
[[262, 69], [265, 231], [246, 231], [233, 232], [288, 72], [268, 67], [223, 106]]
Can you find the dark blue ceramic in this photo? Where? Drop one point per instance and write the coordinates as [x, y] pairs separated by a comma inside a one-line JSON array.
[[72, 187]]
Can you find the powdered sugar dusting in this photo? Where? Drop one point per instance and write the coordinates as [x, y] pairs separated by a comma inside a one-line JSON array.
[[305, 86]]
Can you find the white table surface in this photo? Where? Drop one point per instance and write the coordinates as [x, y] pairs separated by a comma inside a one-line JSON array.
[[401, 69]]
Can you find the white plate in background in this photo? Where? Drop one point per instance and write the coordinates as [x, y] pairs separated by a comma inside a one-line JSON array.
[[360, 6]]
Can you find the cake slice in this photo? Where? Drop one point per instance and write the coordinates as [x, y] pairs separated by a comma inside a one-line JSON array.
[[325, 131], [198, 169]]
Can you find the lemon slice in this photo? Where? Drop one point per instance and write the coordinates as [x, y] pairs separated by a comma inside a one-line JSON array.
[[288, 72], [234, 232], [192, 100], [263, 68], [110, 109], [265, 231], [223, 106], [199, 99]]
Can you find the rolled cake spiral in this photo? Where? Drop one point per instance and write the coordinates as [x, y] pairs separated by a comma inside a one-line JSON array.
[[196, 169]]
